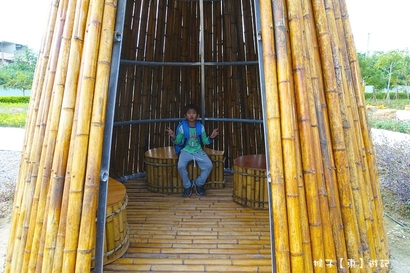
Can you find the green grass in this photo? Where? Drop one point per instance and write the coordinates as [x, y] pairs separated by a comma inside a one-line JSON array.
[[13, 114], [393, 104]]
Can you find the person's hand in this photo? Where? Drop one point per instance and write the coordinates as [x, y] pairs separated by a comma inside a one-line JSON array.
[[214, 133], [170, 132]]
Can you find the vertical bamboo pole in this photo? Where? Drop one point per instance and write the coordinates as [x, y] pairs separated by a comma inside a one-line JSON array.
[[65, 124], [21, 205], [101, 38], [32, 174], [315, 221], [381, 240], [327, 185], [345, 192], [38, 206], [288, 136], [280, 220], [350, 131]]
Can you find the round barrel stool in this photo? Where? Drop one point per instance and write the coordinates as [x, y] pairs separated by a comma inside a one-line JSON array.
[[250, 184]]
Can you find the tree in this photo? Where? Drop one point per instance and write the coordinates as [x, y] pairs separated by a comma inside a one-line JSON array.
[[385, 70], [371, 75], [19, 74], [390, 63]]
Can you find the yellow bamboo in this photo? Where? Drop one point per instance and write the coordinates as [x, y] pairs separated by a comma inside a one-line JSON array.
[[106, 12], [277, 186], [248, 188], [110, 230], [371, 166], [329, 197], [338, 140], [59, 162], [257, 191], [288, 136], [175, 176], [74, 233], [22, 202], [31, 175], [165, 174], [352, 131], [309, 166], [374, 228], [38, 206]]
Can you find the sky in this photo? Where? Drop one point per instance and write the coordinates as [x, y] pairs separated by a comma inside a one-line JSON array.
[[378, 25]]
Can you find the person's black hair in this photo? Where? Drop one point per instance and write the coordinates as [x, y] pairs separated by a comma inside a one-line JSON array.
[[191, 106]]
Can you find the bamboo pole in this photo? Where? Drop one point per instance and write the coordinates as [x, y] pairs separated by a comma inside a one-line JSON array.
[[59, 87], [309, 166], [79, 176], [106, 12], [288, 136], [16, 243], [327, 185], [338, 140], [61, 152], [37, 208], [371, 168], [280, 220], [351, 131]]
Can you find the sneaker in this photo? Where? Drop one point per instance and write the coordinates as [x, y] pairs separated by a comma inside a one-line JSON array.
[[188, 191], [200, 190]]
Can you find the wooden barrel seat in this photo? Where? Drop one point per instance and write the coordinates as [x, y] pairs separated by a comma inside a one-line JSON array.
[[250, 185], [162, 173], [116, 239]]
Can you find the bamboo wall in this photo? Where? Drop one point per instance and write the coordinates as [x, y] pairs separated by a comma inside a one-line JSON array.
[[326, 200], [325, 191], [55, 204], [168, 31]]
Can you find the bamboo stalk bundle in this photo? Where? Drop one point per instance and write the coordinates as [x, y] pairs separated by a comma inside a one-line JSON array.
[[309, 167], [102, 21], [355, 157], [55, 74], [288, 136], [371, 165], [327, 187], [340, 156], [26, 183], [273, 117], [52, 217]]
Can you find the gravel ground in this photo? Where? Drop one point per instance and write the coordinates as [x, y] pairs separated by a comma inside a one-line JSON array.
[[9, 169]]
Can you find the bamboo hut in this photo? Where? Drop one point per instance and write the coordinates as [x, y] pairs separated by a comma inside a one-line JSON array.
[[279, 78]]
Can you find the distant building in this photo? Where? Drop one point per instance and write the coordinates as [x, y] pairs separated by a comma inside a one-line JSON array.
[[369, 89], [8, 50]]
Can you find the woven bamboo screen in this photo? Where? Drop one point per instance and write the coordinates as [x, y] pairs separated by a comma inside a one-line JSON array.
[[169, 31], [326, 200]]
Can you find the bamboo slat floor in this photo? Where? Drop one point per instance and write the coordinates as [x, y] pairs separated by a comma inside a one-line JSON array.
[[212, 233]]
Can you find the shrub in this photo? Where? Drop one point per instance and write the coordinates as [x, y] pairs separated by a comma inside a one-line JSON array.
[[390, 125], [382, 95], [15, 99]]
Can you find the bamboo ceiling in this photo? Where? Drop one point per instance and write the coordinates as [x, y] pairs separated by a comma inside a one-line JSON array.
[[326, 201]]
